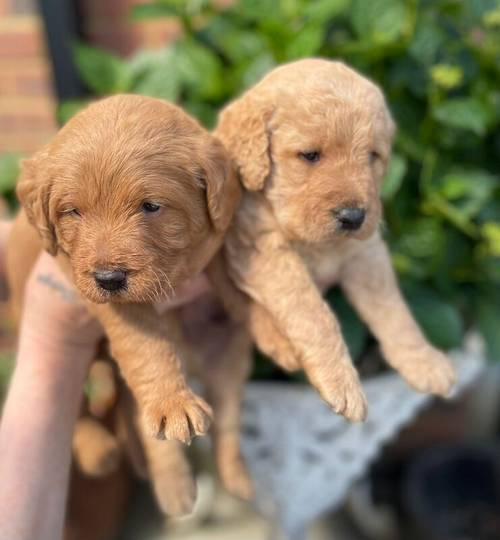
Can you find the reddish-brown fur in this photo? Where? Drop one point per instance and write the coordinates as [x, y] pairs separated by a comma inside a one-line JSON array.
[[82, 195]]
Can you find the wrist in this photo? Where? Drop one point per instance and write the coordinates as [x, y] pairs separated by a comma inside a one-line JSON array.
[[54, 361]]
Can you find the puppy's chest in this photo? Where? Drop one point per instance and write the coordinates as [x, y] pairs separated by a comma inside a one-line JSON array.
[[325, 263]]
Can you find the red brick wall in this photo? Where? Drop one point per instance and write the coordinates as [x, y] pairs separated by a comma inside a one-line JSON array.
[[26, 100], [108, 24]]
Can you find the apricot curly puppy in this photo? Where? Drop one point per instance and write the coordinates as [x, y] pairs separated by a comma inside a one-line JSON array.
[[312, 142], [134, 197]]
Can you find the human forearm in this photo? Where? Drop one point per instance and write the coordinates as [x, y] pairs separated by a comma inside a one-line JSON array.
[[31, 506]]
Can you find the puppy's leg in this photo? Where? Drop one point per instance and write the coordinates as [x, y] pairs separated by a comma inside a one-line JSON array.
[[150, 363], [259, 322], [95, 449], [370, 283], [299, 311], [171, 476], [163, 462], [224, 380]]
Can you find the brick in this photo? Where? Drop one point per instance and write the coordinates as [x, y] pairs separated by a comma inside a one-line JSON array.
[[21, 44], [18, 103], [26, 143], [29, 84], [34, 86], [21, 23], [120, 41], [5, 7], [109, 9], [35, 66]]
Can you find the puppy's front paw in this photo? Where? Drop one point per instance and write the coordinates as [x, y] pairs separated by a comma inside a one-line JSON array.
[[179, 417], [343, 392], [429, 372]]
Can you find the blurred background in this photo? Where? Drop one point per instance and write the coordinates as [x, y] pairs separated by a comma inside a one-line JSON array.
[[438, 62]]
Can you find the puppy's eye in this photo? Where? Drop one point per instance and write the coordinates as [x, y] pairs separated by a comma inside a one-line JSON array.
[[150, 208], [311, 157], [71, 212], [373, 157]]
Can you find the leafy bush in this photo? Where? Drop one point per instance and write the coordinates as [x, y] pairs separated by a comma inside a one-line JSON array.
[[437, 61], [9, 171]]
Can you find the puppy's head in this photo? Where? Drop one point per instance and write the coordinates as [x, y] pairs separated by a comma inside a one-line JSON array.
[[315, 137], [135, 193]]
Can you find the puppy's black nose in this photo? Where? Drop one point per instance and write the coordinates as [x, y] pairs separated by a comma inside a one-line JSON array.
[[111, 280], [350, 218]]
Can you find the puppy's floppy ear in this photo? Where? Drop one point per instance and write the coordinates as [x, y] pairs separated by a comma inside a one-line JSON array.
[[33, 191], [219, 180], [243, 128]]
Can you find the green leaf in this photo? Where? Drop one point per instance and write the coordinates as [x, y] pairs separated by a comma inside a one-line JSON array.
[[199, 69], [379, 21], [257, 10], [475, 10], [155, 74], [237, 44], [9, 171], [422, 237], [154, 11], [446, 76], [248, 74], [428, 39], [439, 319], [488, 318], [68, 109], [307, 42], [491, 233], [205, 113], [491, 19], [469, 190], [324, 10], [354, 331], [394, 176], [465, 113], [103, 72]]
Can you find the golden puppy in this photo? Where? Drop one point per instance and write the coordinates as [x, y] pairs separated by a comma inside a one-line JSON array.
[[134, 197], [312, 142]]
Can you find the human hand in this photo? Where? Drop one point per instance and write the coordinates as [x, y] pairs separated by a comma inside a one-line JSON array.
[[57, 340]]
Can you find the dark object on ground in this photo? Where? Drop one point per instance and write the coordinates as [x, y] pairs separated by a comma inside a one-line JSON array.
[[453, 493]]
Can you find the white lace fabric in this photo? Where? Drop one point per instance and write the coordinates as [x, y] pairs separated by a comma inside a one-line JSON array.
[[304, 458]]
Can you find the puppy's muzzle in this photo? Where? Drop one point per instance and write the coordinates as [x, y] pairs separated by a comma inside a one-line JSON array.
[[349, 218], [111, 280]]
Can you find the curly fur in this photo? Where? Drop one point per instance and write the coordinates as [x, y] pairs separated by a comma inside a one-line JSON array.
[[286, 244]]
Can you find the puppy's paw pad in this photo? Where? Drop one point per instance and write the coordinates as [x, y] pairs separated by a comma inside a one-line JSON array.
[[180, 417]]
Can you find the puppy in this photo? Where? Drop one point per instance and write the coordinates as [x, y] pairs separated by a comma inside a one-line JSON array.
[[134, 198], [312, 142]]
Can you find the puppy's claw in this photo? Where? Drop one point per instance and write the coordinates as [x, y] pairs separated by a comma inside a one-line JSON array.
[[181, 417], [344, 394], [353, 406]]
